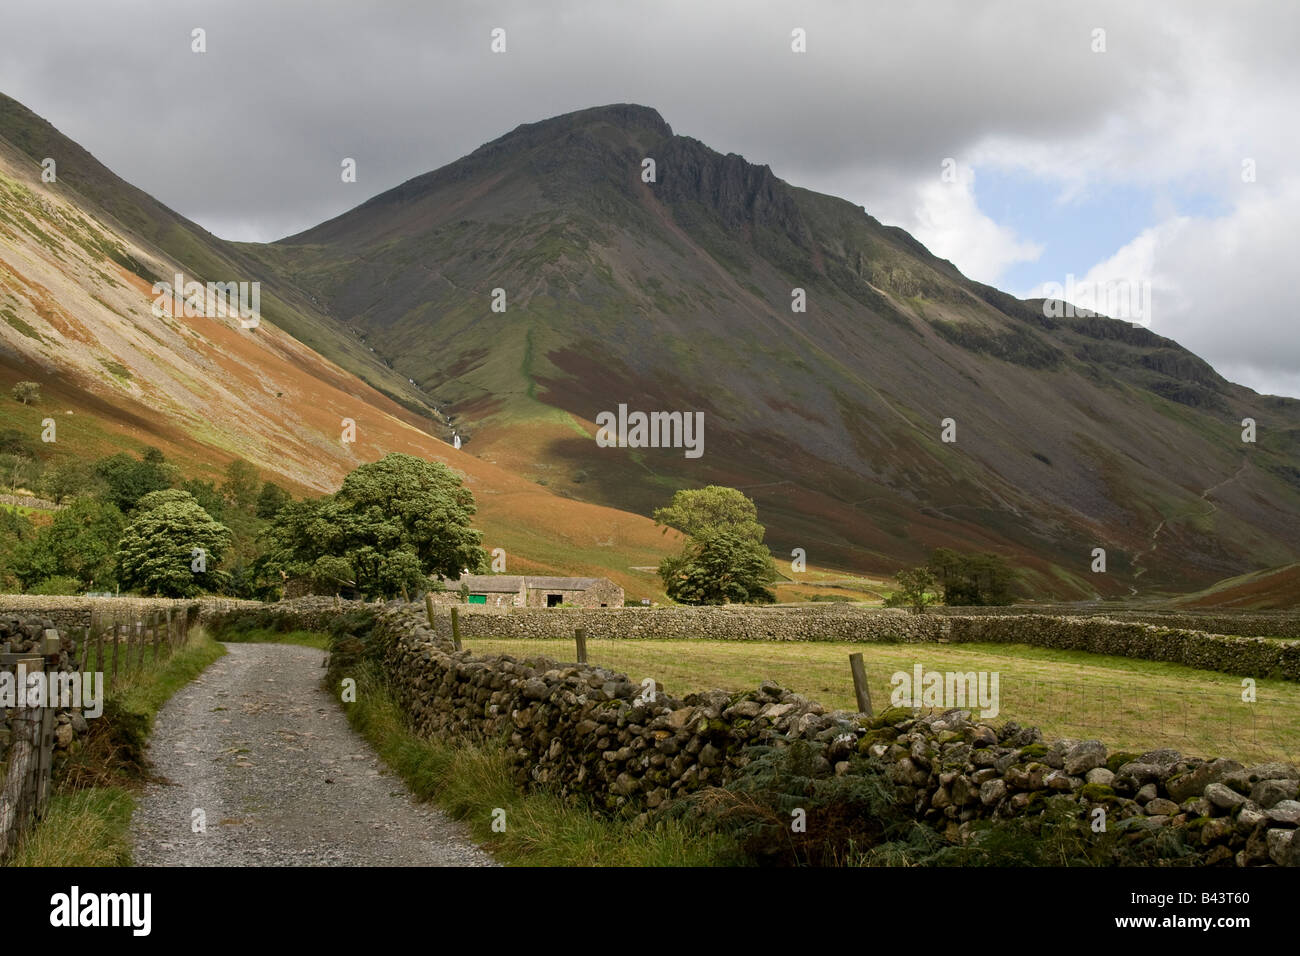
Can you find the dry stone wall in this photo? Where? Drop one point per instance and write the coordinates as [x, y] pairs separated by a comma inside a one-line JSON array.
[[1285, 624], [1245, 656], [75, 612], [586, 730]]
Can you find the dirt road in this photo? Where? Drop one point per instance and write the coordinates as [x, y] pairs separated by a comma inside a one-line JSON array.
[[279, 777]]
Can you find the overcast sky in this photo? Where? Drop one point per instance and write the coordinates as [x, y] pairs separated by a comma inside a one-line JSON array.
[[1133, 162]]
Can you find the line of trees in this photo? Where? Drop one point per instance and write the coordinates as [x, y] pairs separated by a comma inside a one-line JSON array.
[[956, 579], [131, 523]]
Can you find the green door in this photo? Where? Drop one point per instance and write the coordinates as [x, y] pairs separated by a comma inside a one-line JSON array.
[[478, 599]]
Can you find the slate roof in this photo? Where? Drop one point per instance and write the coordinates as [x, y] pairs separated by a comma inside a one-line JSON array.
[[511, 583]]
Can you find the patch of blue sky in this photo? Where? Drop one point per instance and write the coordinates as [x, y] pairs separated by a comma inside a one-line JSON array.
[[1078, 233]]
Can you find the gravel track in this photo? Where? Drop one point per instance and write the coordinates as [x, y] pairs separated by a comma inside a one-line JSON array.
[[282, 779]]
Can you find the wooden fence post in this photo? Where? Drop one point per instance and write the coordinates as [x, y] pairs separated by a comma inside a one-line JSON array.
[[428, 607], [455, 628], [153, 627], [17, 789], [117, 643], [860, 684], [140, 639], [99, 648], [580, 637]]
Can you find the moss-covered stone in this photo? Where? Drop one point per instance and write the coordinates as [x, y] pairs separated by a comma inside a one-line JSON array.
[[892, 715], [1097, 793], [1117, 760]]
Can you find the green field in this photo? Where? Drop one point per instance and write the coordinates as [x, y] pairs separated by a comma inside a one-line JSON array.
[[1128, 704]]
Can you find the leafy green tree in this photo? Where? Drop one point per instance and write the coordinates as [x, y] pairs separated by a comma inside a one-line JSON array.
[[19, 471], [172, 547], [16, 532], [80, 543], [241, 487], [725, 559], [27, 392], [393, 523], [130, 479], [209, 497], [697, 512], [70, 479], [972, 579], [722, 567], [915, 589], [271, 500]]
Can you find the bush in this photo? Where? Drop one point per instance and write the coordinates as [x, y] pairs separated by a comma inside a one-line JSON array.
[[56, 585]]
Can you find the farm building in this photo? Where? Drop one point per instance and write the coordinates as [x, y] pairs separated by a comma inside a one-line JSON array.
[[517, 590]]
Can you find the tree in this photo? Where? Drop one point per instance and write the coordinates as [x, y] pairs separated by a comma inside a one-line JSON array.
[[241, 485], [15, 533], [393, 523], [208, 496], [70, 479], [915, 589], [271, 500], [698, 512], [80, 543], [172, 547], [130, 479], [972, 579], [19, 470], [27, 392], [720, 568], [724, 559]]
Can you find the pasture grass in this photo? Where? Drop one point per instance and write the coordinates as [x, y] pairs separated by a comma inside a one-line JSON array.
[[1128, 704]]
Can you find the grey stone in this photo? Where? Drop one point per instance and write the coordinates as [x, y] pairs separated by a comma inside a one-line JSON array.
[[1268, 792], [1160, 807], [1281, 847], [992, 792], [1285, 811], [1223, 797], [1084, 756], [1100, 775], [1193, 782]]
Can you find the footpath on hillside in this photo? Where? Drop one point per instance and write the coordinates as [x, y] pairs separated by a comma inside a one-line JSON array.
[[258, 753]]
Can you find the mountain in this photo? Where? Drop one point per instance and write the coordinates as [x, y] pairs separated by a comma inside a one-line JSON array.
[[78, 262], [675, 295], [671, 295]]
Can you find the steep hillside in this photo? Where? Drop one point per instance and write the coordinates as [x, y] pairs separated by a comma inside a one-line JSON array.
[[76, 315], [676, 295], [1274, 589]]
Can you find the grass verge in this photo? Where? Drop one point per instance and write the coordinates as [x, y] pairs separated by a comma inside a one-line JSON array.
[[88, 819], [473, 781]]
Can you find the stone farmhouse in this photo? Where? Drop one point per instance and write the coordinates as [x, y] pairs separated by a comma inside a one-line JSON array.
[[517, 590]]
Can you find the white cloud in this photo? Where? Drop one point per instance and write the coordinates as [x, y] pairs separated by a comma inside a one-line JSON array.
[[1223, 286], [947, 219]]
